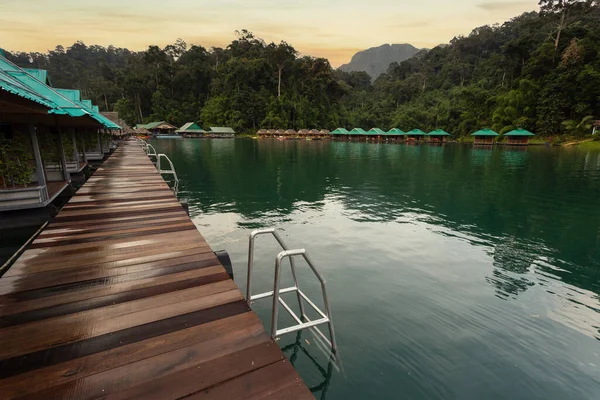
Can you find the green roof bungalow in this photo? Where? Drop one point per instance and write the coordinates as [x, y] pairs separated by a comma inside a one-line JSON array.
[[191, 130], [416, 135], [357, 133], [339, 134], [484, 137], [395, 134], [31, 111], [221, 132], [376, 133], [438, 136], [518, 137]]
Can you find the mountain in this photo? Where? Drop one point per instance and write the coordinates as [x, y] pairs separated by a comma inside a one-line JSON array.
[[376, 60]]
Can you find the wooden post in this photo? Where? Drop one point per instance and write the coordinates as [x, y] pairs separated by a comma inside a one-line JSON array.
[[100, 143], [63, 158], [75, 150], [39, 165]]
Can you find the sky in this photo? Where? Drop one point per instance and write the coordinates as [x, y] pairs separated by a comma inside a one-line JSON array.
[[335, 29]]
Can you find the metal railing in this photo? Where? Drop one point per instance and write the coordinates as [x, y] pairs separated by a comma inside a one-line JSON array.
[[151, 151], [170, 171], [303, 322]]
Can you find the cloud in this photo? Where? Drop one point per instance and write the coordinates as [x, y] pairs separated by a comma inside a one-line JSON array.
[[503, 5]]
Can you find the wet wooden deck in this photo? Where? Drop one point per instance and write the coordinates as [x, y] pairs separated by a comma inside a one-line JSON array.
[[121, 297]]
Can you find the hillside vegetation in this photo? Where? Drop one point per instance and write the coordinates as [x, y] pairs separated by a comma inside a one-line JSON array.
[[539, 71]]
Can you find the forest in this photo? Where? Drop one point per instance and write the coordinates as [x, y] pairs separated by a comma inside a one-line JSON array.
[[539, 71]]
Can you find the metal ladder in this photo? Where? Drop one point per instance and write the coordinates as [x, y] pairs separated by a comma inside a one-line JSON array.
[[303, 322], [170, 171], [151, 152]]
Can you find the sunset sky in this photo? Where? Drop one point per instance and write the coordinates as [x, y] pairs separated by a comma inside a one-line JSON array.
[[334, 29]]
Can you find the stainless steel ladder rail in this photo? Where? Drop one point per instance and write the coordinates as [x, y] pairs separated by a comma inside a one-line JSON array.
[[170, 171], [303, 322], [151, 152]]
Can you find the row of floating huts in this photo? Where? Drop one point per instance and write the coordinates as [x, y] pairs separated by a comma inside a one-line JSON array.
[[48, 136], [481, 137]]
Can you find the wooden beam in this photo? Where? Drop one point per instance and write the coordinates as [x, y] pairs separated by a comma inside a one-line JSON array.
[[39, 165]]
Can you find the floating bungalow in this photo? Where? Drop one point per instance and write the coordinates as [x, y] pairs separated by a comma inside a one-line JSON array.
[[416, 135], [291, 133], [221, 132], [395, 134], [303, 132], [339, 133], [438, 136], [191, 130], [45, 134], [376, 133], [261, 133], [357, 133], [518, 137], [324, 133], [484, 137], [160, 129], [279, 132], [595, 126]]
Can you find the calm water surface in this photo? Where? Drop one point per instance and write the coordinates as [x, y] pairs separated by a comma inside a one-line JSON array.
[[453, 272]]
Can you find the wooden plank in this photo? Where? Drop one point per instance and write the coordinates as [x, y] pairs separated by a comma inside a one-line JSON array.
[[258, 384], [121, 297], [27, 338]]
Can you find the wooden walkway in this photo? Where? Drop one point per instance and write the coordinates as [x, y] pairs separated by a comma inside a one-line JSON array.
[[121, 297]]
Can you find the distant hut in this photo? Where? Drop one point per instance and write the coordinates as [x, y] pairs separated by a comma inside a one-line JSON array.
[[291, 132], [141, 132], [223, 132], [190, 130], [324, 132], [484, 136], [339, 133], [357, 133], [303, 132], [376, 133], [595, 127], [518, 137], [261, 132], [313, 132], [416, 135], [438, 136], [280, 132], [270, 132], [395, 134]]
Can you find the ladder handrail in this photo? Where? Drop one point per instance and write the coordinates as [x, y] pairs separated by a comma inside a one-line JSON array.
[[170, 171], [151, 151], [303, 321]]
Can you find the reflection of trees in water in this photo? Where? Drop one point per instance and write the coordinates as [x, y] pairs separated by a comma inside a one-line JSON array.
[[536, 195], [511, 258], [296, 348]]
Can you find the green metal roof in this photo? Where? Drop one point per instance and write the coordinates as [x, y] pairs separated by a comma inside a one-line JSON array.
[[357, 131], [96, 108], [376, 131], [439, 132], [340, 131], [14, 86], [395, 132], [191, 127], [153, 125], [40, 74], [75, 96], [415, 132], [519, 132], [485, 132], [221, 129]]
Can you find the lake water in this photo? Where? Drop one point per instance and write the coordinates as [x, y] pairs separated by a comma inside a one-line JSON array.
[[453, 272]]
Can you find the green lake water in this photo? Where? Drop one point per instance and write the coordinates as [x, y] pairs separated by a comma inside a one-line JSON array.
[[453, 272]]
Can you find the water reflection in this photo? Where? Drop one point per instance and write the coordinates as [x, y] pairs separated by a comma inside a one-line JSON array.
[[426, 247]]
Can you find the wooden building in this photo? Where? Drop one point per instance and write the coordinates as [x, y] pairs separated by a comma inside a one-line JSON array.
[[160, 128], [45, 133], [191, 130], [303, 132], [291, 133], [339, 134], [595, 127], [518, 137], [416, 135], [357, 134], [438, 136], [395, 134], [484, 137], [376, 134], [221, 132]]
